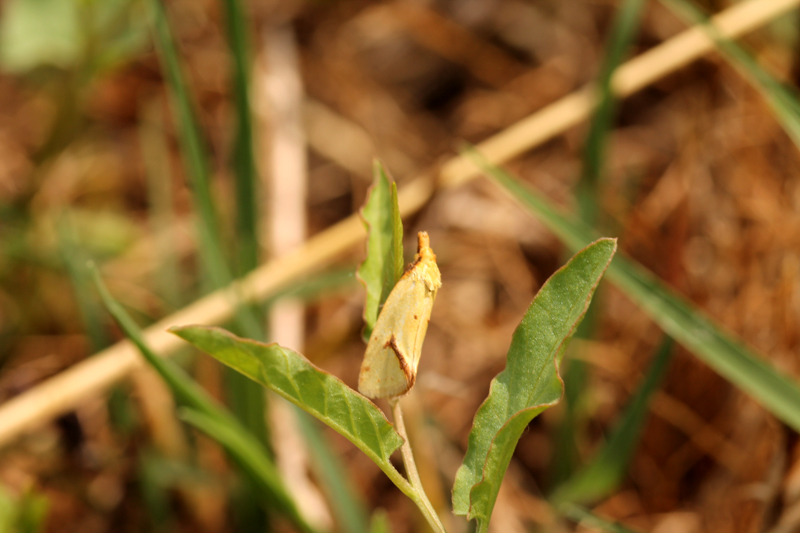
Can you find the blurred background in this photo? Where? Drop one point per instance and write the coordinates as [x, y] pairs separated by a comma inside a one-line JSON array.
[[183, 144]]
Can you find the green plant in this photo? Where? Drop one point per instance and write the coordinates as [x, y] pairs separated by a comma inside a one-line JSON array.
[[25, 513], [500, 419], [529, 385]]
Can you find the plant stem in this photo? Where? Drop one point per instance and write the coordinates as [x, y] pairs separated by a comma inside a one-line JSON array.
[[420, 498]]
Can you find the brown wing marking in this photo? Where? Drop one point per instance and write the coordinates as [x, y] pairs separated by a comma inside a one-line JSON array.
[[411, 377]]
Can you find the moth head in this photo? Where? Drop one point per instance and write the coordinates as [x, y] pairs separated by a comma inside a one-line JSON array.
[[424, 265]]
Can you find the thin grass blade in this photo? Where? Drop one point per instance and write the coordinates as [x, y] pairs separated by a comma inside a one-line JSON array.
[[566, 455], [348, 509], [783, 100], [184, 388], [258, 466], [249, 455], [243, 163], [247, 400], [600, 477], [89, 308], [162, 219], [194, 150], [623, 30], [678, 317]]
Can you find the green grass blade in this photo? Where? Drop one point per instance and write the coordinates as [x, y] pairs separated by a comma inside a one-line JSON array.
[[623, 31], [25, 513], [348, 509], [246, 399], [184, 388], [161, 213], [193, 148], [292, 376], [75, 263], [566, 456], [249, 404], [582, 516], [600, 477], [379, 271], [249, 455], [380, 522], [530, 382], [243, 157], [154, 491], [588, 193], [189, 394], [679, 318], [32, 509], [782, 99]]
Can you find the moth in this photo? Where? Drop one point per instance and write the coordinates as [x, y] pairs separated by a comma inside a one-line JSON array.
[[390, 363]]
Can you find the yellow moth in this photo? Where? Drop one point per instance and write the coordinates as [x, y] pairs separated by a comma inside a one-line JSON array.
[[390, 362]]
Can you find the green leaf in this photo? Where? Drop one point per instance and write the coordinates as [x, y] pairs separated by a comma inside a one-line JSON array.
[[395, 264], [379, 271], [292, 376], [530, 383], [600, 477], [678, 317], [69, 34], [42, 32]]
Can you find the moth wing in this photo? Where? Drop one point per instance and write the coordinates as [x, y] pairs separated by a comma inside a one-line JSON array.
[[390, 362], [414, 325]]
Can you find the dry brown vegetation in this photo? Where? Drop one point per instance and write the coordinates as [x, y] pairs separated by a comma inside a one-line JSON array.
[[701, 186]]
